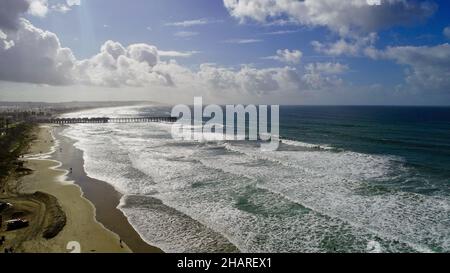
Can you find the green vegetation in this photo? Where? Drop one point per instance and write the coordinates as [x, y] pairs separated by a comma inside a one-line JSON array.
[[13, 143]]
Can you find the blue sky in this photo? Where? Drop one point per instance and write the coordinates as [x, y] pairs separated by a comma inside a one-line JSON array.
[[86, 28], [237, 43]]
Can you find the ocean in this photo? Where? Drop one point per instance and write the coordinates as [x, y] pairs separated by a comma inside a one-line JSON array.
[[349, 179]]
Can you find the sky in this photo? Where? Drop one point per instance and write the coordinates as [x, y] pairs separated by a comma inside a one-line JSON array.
[[319, 52]]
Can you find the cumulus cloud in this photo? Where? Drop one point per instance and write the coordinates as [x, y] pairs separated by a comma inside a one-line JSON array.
[[250, 80], [4, 42], [36, 56], [286, 56], [327, 68], [340, 16], [65, 7], [135, 65], [350, 46], [62, 8], [32, 55], [356, 21], [38, 8], [73, 2], [10, 10], [139, 65], [324, 75], [117, 66], [429, 65], [278, 80]]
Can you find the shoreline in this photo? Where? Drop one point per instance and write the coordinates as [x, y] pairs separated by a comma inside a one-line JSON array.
[[103, 196], [81, 232]]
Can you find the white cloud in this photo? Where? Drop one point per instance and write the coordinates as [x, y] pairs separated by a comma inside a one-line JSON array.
[[73, 2], [248, 80], [185, 34], [320, 76], [189, 23], [350, 46], [35, 57], [117, 66], [65, 7], [287, 56], [339, 16], [173, 53], [38, 57], [446, 32], [139, 65], [5, 44], [281, 32], [355, 21], [337, 48], [318, 82], [32, 55], [327, 68], [38, 8], [62, 8], [429, 65], [243, 41], [10, 11]]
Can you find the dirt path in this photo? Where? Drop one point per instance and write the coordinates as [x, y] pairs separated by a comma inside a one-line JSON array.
[[34, 208]]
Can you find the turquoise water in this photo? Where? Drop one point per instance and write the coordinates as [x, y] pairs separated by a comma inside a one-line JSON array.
[[378, 183], [419, 136]]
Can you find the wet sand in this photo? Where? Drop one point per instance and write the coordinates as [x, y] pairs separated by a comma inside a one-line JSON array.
[[81, 227], [101, 194]]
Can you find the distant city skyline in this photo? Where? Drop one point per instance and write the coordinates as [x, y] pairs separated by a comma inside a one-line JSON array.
[[227, 51]]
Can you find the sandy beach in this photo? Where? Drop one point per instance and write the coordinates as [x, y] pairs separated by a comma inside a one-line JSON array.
[[101, 194], [82, 232]]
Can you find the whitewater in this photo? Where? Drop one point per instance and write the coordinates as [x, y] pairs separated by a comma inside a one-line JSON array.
[[186, 196]]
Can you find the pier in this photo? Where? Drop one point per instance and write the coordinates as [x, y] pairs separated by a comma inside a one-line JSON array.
[[108, 120]]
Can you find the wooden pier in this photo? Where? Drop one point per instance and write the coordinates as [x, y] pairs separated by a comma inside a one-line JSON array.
[[108, 120]]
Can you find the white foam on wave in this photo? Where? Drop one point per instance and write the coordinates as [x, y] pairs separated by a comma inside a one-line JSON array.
[[261, 201], [331, 183], [171, 181], [106, 159], [307, 145]]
